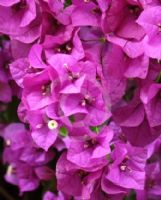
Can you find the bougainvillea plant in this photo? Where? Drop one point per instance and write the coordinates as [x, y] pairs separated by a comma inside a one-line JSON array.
[[80, 99]]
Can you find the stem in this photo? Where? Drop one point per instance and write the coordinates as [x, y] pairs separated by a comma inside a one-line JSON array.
[[25, 197], [5, 194], [158, 79]]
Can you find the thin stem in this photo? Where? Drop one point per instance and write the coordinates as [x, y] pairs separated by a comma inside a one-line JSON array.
[[25, 196], [5, 194]]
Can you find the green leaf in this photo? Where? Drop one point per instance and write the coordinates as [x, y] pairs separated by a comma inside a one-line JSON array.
[[71, 118], [67, 3], [130, 91], [112, 147], [63, 131], [95, 129], [10, 113], [132, 196], [49, 185], [158, 79]]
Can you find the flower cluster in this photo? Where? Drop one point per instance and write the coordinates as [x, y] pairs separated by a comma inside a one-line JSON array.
[[88, 76]]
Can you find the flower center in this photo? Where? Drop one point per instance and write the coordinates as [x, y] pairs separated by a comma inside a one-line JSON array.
[[21, 5], [123, 137], [82, 174], [46, 88], [31, 69], [96, 11], [150, 183], [90, 143], [72, 76], [124, 165], [52, 124], [65, 48], [11, 170], [8, 142], [87, 100], [133, 9], [159, 27]]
